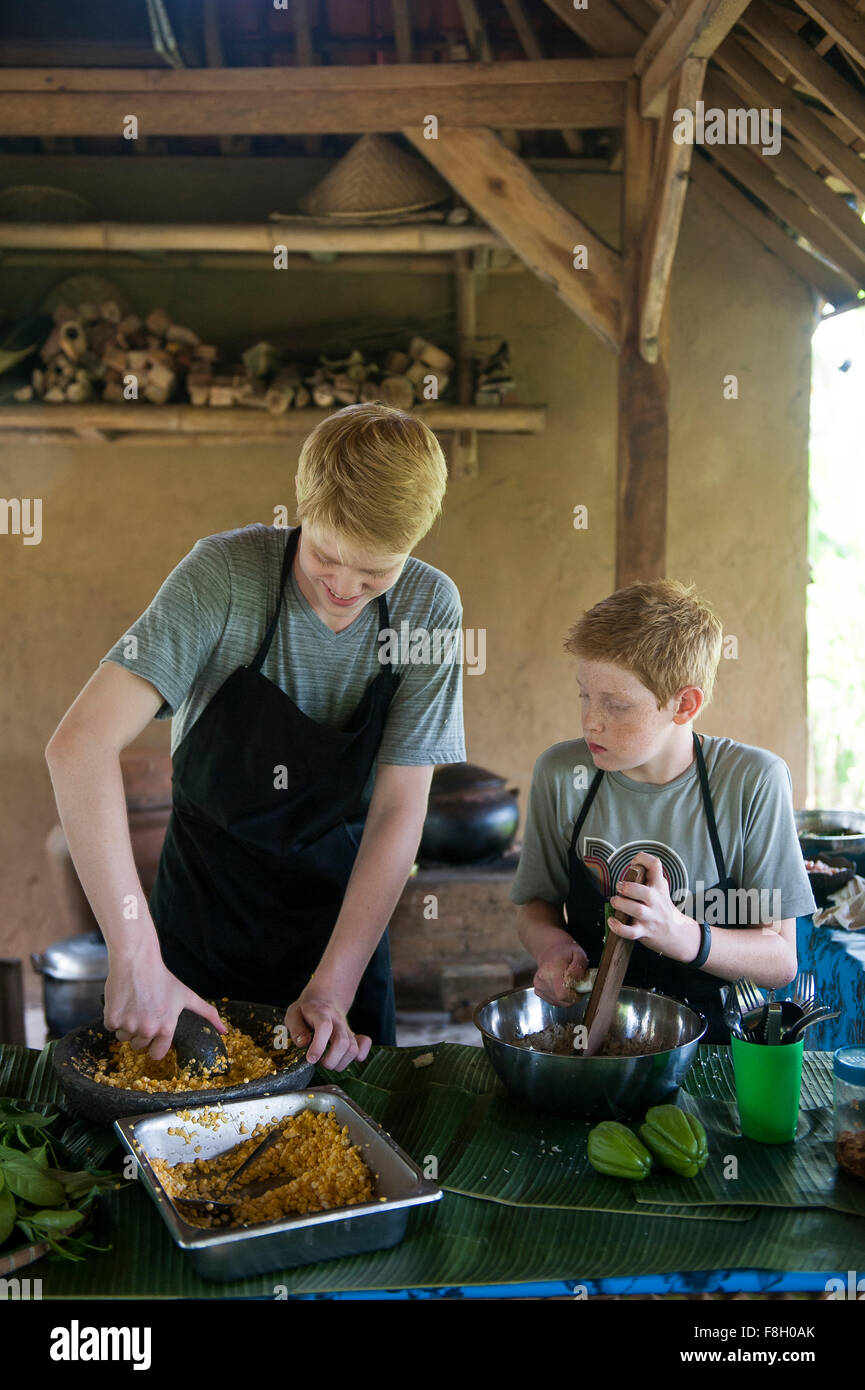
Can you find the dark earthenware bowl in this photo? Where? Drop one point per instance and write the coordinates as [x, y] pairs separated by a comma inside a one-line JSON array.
[[75, 1054]]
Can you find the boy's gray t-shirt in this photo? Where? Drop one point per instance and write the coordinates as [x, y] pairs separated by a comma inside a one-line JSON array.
[[751, 792], [211, 613]]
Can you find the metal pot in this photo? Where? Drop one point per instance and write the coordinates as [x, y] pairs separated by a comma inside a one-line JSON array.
[[472, 815], [818, 835], [73, 973]]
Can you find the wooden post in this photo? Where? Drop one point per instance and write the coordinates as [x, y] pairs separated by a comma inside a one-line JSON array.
[[464, 453], [643, 425]]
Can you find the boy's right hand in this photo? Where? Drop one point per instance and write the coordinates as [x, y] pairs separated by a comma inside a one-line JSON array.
[[555, 969], [142, 1007]]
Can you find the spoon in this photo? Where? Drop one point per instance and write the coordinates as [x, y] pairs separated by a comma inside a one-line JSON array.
[[819, 1014], [250, 1189]]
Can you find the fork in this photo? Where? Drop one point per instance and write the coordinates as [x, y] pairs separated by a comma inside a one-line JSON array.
[[748, 993], [803, 988]]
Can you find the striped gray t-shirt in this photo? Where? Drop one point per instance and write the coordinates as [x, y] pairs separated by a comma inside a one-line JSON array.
[[210, 616]]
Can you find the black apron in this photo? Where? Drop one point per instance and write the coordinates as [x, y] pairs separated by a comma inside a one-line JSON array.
[[267, 814], [647, 969]]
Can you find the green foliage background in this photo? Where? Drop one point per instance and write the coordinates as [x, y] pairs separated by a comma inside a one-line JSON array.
[[836, 546]]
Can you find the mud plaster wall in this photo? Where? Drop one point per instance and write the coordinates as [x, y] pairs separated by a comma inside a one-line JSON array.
[[116, 521]]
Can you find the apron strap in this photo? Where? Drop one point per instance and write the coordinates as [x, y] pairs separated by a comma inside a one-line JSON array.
[[584, 810], [710, 814], [707, 806], [290, 550]]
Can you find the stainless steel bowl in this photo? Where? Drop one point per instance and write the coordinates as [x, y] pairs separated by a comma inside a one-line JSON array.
[[668, 1033]]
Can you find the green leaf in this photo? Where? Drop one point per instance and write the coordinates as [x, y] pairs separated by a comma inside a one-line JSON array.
[[31, 1119], [28, 1180], [7, 1214], [55, 1220], [39, 1156]]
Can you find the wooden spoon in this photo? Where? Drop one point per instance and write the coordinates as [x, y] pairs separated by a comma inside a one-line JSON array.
[[608, 981]]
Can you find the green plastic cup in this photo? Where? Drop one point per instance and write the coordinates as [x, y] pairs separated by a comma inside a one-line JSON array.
[[768, 1085]]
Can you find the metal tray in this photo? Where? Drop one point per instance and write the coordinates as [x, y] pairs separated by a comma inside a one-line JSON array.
[[293, 1240]]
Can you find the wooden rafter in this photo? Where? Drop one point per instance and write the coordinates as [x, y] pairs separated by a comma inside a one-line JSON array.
[[834, 286], [749, 77], [753, 172], [295, 100], [401, 30], [669, 184], [843, 24], [531, 46], [696, 33], [601, 26], [506, 194], [801, 59]]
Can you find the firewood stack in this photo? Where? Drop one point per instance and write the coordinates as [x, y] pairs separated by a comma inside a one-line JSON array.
[[93, 350], [494, 383], [267, 382]]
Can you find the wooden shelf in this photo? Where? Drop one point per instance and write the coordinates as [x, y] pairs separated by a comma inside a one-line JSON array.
[[140, 423]]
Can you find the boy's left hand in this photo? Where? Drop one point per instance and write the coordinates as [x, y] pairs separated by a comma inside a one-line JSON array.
[[657, 922]]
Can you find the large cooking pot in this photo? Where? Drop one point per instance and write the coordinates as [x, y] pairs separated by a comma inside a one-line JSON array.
[[73, 973], [472, 815]]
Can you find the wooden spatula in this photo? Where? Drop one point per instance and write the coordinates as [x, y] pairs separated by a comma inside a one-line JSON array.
[[608, 981]]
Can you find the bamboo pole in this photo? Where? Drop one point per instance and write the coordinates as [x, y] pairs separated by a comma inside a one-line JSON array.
[[215, 260], [182, 421], [249, 237]]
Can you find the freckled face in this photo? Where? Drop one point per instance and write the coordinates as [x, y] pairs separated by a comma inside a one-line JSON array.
[[621, 721], [343, 578]]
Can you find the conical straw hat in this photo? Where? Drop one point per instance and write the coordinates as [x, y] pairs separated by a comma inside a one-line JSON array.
[[373, 178]]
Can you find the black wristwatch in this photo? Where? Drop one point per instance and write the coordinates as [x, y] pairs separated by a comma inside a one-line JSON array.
[[705, 946]]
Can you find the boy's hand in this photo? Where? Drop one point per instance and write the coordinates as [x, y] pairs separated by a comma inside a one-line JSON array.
[[555, 969], [316, 1019], [657, 922]]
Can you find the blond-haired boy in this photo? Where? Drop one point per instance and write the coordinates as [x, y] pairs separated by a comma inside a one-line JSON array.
[[711, 819], [302, 758]]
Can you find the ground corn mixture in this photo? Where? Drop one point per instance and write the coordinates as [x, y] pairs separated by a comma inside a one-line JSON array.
[[129, 1070], [322, 1168]]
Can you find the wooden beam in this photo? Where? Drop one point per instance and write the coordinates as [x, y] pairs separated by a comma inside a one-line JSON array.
[[464, 447], [702, 25], [601, 26], [842, 98], [583, 93], [510, 199], [643, 420], [841, 22], [750, 76], [834, 286], [669, 185]]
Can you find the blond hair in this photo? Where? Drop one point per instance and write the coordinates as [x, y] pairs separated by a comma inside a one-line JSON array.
[[374, 474], [662, 632]]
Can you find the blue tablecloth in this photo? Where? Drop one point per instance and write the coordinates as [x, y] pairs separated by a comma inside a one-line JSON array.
[[837, 958]]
